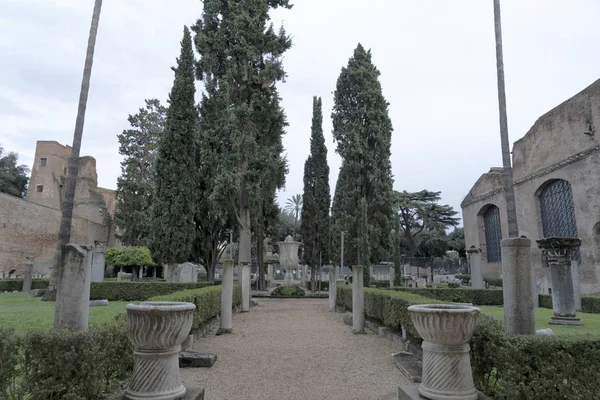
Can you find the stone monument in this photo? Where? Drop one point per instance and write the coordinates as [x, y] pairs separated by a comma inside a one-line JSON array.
[[358, 300], [73, 289], [288, 258], [446, 330], [475, 264], [225, 323], [28, 274], [98, 261], [156, 330], [558, 253]]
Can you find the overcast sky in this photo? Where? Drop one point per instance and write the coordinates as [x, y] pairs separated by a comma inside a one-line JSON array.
[[436, 58]]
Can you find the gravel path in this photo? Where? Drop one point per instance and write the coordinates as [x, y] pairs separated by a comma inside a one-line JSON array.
[[296, 349]]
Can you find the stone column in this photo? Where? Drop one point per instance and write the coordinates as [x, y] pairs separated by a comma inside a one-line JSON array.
[[558, 253], [303, 277], [225, 324], [98, 261], [475, 263], [392, 275], [27, 275], [270, 274], [518, 280], [156, 330], [245, 287], [358, 300], [332, 289], [154, 271], [73, 289], [576, 284]]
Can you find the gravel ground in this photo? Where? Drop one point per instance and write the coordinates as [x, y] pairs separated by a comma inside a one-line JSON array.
[[296, 349]]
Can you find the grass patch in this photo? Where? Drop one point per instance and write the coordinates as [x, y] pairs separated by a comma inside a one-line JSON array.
[[591, 322], [24, 313]]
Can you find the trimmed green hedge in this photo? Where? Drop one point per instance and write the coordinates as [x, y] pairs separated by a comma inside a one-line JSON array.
[[493, 281], [207, 301], [10, 285], [380, 284], [324, 285], [479, 297], [534, 367], [589, 304], [139, 291], [387, 307], [49, 364]]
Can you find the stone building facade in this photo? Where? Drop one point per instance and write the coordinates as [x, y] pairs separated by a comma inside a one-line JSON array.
[[30, 226], [556, 171]]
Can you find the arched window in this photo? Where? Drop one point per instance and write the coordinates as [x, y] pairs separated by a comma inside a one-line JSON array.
[[558, 212], [493, 234]]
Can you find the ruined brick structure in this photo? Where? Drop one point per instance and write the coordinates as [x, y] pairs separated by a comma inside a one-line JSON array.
[[556, 170], [30, 225]]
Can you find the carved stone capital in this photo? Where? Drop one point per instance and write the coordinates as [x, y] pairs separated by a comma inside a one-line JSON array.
[[558, 249], [473, 249]]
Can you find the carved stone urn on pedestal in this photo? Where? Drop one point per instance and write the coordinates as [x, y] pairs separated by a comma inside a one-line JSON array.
[[446, 330], [156, 330]]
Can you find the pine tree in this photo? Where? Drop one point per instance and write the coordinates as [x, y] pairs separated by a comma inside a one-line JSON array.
[[135, 186], [315, 228], [172, 230], [362, 129], [240, 64]]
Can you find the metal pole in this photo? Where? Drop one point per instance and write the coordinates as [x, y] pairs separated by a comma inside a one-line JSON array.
[[509, 192], [342, 258]]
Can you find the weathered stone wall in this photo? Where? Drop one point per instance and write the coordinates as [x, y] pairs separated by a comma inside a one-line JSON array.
[[562, 144], [29, 229]]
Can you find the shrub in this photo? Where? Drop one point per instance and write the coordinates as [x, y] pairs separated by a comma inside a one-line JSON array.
[[10, 358], [453, 285], [480, 297], [387, 307], [380, 284], [287, 291], [10, 285], [534, 367], [129, 256], [139, 291], [589, 304], [207, 301], [493, 281], [324, 285], [465, 278], [76, 365]]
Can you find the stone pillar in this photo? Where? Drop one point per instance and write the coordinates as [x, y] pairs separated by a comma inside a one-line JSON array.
[[303, 277], [576, 284], [476, 272], [270, 274], [245, 287], [28, 274], [518, 279], [225, 324], [154, 271], [558, 253], [338, 272], [446, 330], [156, 330], [166, 272], [371, 272], [392, 275], [73, 289], [358, 300], [98, 261], [141, 272], [332, 289]]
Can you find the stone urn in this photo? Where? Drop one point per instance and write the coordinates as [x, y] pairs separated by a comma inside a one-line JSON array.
[[288, 258], [446, 330], [156, 330]]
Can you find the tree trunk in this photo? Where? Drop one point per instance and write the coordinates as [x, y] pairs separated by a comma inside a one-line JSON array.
[[64, 232], [511, 210]]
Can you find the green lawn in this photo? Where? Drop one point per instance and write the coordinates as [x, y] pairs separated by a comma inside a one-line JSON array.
[[591, 322], [19, 311]]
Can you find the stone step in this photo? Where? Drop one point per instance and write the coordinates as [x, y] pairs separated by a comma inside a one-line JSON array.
[[410, 365], [196, 359]]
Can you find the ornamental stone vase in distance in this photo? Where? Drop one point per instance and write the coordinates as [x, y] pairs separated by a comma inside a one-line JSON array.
[[156, 330], [446, 330]]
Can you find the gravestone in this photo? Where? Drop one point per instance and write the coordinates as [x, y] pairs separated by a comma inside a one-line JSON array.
[[73, 289], [186, 272], [124, 277], [98, 261]]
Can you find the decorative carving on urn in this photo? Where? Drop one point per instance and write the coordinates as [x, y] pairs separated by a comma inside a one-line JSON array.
[[446, 330], [156, 330]]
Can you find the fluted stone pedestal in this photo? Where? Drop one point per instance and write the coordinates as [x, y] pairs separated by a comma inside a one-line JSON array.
[[446, 330], [476, 272], [156, 330], [558, 253], [245, 287], [519, 283], [225, 323], [358, 300]]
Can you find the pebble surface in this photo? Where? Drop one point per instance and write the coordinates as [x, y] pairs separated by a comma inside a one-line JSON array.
[[296, 349]]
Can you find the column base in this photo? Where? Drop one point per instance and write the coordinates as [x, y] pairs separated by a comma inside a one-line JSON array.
[[411, 392], [223, 331], [357, 332], [557, 320]]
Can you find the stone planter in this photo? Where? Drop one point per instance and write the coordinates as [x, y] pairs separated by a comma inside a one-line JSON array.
[[446, 330], [156, 330]]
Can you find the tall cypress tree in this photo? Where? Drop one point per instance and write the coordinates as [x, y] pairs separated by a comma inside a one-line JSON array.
[[316, 196], [362, 130], [240, 65], [172, 230]]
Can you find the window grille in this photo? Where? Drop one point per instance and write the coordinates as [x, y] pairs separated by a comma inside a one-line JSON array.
[[493, 234]]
